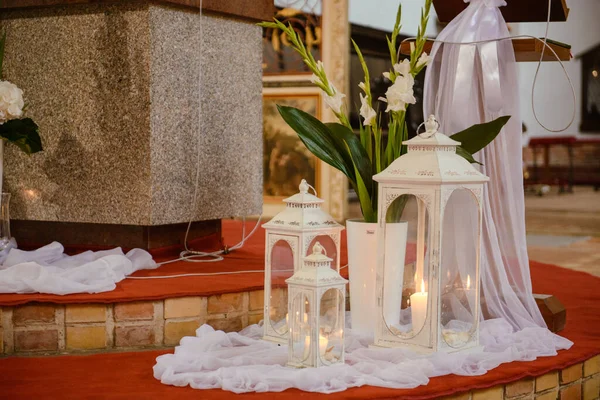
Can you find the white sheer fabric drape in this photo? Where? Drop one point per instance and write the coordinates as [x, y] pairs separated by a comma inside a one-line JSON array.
[[475, 83], [243, 362], [49, 270]]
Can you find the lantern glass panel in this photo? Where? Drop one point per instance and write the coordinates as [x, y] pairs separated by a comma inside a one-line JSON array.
[[458, 272], [405, 274], [282, 267], [300, 328], [331, 328], [330, 248]]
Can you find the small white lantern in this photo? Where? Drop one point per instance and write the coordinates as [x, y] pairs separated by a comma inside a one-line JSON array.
[[289, 237], [316, 309], [428, 291]]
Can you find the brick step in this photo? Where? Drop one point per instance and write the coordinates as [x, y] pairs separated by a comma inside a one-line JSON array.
[[50, 329], [47, 377]]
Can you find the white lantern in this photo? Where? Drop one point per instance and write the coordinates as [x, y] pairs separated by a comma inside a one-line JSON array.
[[428, 283], [316, 309], [289, 237]]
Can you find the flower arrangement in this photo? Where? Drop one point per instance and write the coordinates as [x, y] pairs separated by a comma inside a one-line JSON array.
[[22, 132], [360, 157]]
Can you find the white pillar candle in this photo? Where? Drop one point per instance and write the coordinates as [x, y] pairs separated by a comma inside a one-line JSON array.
[[471, 297], [306, 346], [418, 308], [323, 343]]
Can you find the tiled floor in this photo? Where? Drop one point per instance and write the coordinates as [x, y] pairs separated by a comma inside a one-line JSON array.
[[565, 229]]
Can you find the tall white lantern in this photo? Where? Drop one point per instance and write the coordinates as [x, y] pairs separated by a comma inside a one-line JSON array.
[[316, 309], [289, 237], [427, 282]]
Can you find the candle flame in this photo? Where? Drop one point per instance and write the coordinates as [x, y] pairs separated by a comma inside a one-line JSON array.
[[422, 286], [468, 281]]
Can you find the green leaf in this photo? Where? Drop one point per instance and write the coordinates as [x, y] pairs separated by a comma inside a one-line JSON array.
[[360, 158], [23, 133], [478, 136], [319, 140], [366, 203], [466, 155]]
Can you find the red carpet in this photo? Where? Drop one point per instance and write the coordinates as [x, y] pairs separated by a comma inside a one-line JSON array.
[[129, 375]]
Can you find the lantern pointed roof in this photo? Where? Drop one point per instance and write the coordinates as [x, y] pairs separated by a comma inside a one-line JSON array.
[[303, 212], [316, 270], [431, 159]]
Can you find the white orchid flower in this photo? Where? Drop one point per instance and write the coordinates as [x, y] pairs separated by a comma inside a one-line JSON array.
[[335, 102], [400, 93], [423, 60], [366, 111], [402, 68]]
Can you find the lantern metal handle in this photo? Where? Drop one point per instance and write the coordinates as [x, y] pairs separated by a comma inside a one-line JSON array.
[[431, 127]]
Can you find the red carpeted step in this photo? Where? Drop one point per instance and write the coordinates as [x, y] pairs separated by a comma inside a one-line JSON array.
[[129, 375]]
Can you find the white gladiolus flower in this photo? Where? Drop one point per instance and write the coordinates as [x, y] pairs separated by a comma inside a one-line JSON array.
[[387, 76], [400, 93], [320, 66], [423, 60], [366, 111], [362, 86], [402, 68], [335, 102], [314, 78], [11, 102]]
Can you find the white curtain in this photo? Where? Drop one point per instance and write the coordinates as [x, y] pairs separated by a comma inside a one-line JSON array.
[[470, 84]]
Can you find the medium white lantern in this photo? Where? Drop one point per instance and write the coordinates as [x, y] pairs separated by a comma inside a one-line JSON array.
[[289, 237], [316, 309], [427, 282]]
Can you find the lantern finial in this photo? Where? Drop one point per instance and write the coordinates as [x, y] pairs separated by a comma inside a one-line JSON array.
[[318, 249], [431, 127], [304, 186]]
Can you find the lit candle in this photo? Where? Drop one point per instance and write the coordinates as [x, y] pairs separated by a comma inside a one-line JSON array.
[[323, 342], [470, 294], [306, 346], [418, 307], [287, 319]]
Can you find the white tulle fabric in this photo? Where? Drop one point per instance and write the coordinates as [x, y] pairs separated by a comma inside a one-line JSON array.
[[470, 84], [49, 270], [243, 362]]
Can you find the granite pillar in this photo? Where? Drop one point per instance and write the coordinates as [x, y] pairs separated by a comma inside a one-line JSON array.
[[133, 99]]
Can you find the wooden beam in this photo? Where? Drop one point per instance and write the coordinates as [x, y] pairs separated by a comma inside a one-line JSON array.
[[250, 10], [526, 50], [553, 311], [514, 11]]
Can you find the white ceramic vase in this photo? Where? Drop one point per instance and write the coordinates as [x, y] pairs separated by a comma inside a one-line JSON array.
[[362, 266]]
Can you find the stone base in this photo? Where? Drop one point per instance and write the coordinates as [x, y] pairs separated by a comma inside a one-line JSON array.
[[46, 328], [75, 236]]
